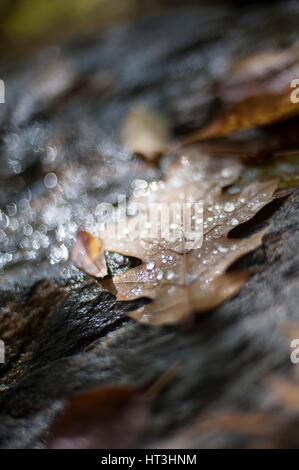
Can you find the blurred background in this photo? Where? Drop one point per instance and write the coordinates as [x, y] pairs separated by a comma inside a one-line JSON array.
[[27, 25], [74, 70]]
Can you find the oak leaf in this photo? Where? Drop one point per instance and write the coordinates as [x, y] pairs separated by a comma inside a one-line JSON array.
[[113, 416], [105, 417], [182, 280], [257, 92], [88, 254]]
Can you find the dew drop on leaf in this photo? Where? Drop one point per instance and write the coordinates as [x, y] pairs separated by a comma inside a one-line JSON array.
[[229, 207], [150, 265], [170, 275]]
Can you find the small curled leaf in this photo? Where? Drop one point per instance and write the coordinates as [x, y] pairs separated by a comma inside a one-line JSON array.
[[88, 255]]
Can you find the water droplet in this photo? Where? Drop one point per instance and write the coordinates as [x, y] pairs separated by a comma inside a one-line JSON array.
[[159, 276], [58, 253], [150, 265], [222, 249], [24, 205], [50, 180], [234, 222], [229, 207], [35, 244], [28, 230], [170, 275]]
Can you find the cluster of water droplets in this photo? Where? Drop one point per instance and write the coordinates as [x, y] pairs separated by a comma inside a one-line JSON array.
[[42, 223], [28, 231], [222, 213]]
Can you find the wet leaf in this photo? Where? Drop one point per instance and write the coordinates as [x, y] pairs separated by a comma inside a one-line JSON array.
[[252, 112], [88, 254], [112, 417], [145, 132], [104, 418], [183, 277], [256, 93]]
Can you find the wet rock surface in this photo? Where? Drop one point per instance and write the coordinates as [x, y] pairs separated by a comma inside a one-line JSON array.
[[60, 158]]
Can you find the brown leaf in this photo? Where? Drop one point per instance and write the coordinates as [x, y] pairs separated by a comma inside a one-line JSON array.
[[252, 112], [111, 417], [256, 93], [145, 132], [104, 418], [87, 254], [184, 280]]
